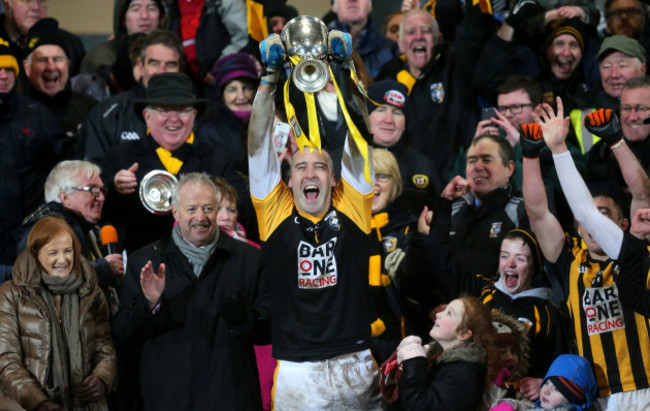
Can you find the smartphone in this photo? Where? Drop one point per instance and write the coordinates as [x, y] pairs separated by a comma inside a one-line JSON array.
[[488, 113]]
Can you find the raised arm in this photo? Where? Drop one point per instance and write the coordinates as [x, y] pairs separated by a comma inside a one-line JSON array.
[[546, 227], [633, 262], [263, 163], [604, 123], [554, 129]]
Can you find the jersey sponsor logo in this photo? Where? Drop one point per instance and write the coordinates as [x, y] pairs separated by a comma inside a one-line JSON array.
[[495, 229], [602, 309], [317, 265], [420, 180], [333, 221], [437, 92], [129, 135], [389, 243]]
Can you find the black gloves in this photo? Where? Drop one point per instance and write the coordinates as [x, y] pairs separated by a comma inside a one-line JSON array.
[[532, 141], [604, 123]]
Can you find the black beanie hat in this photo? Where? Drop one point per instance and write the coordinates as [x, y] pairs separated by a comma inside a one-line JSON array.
[[45, 32], [389, 92]]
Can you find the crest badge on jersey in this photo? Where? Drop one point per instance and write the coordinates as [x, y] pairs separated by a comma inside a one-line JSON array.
[[317, 265], [332, 220], [437, 92], [389, 243], [420, 180], [495, 229]]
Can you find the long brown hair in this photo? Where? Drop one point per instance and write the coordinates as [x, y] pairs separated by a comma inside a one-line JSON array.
[[478, 320], [47, 229]]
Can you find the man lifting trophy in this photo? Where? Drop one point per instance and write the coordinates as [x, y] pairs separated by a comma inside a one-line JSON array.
[[314, 230]]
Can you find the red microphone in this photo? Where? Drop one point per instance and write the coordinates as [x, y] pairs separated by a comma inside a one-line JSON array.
[[109, 238]]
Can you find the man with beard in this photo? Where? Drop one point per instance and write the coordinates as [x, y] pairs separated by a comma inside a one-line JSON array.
[[627, 18], [47, 66], [32, 143]]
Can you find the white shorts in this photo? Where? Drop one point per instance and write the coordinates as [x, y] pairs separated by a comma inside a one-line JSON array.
[[638, 400], [345, 382]]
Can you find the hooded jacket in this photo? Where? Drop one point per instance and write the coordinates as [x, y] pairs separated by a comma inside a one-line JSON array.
[[25, 335], [106, 53], [577, 369]]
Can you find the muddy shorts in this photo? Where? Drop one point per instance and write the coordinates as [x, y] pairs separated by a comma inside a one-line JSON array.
[[345, 382]]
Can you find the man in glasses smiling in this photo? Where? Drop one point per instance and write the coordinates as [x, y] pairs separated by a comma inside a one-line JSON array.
[[75, 192], [169, 110]]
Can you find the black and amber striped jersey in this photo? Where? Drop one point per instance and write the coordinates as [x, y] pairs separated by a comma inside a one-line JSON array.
[[609, 334]]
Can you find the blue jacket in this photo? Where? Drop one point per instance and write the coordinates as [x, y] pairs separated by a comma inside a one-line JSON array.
[[577, 369]]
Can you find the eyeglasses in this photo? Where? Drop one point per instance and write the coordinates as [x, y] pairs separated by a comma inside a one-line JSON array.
[[382, 177], [166, 111], [618, 13], [514, 108], [638, 109], [41, 3], [94, 190]]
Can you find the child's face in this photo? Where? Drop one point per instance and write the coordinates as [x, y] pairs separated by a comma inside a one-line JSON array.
[[550, 397], [510, 358], [444, 328], [227, 215]]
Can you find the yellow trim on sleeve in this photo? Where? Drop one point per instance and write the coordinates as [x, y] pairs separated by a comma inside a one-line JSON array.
[[273, 210], [355, 205]]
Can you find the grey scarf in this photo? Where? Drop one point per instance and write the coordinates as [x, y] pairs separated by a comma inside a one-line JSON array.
[[66, 351], [198, 256]]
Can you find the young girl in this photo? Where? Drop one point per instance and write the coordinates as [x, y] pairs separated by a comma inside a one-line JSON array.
[[454, 372], [227, 211]]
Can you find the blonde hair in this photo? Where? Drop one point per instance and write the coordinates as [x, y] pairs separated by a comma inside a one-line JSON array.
[[385, 163]]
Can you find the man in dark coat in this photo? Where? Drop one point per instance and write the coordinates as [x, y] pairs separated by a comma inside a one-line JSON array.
[[169, 111], [192, 304], [113, 121], [47, 67], [32, 143]]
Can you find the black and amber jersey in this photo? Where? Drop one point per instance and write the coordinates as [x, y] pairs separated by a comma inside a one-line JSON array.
[[532, 308], [318, 272], [610, 335]]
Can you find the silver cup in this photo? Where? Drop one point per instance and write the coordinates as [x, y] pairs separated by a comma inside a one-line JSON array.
[[306, 38], [156, 191]]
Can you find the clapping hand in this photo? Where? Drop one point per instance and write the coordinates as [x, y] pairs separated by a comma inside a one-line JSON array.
[[152, 283]]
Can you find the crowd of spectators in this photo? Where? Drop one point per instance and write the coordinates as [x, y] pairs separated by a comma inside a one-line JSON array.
[[500, 160]]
